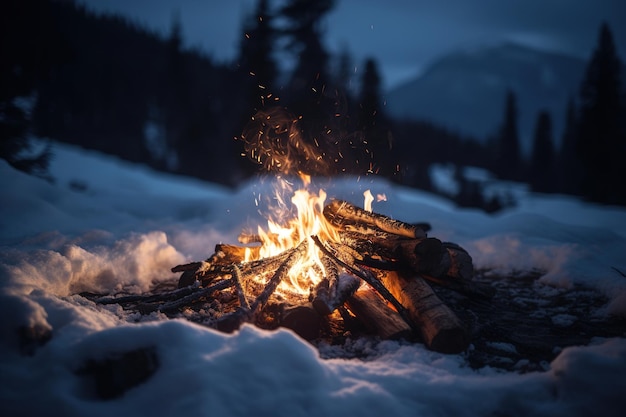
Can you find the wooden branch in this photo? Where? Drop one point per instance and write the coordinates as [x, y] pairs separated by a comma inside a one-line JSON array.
[[441, 329], [340, 212], [443, 263], [243, 300], [374, 313], [211, 270], [195, 271], [182, 302], [421, 255], [294, 256], [326, 289], [332, 292], [230, 254], [193, 266], [368, 277], [171, 295]]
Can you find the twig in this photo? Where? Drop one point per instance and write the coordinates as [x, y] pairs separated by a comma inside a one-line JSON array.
[[243, 301], [174, 305], [180, 292], [269, 289], [368, 277]]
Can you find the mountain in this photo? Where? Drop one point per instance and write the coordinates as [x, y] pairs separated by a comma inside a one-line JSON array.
[[465, 91]]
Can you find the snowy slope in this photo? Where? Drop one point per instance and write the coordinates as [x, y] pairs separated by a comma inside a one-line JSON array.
[[106, 225]]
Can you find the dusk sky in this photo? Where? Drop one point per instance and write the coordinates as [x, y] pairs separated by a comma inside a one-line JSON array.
[[403, 35]]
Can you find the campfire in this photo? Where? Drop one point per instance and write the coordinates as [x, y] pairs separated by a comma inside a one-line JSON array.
[[332, 267]]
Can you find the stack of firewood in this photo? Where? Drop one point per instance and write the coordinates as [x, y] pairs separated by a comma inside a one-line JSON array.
[[379, 271]]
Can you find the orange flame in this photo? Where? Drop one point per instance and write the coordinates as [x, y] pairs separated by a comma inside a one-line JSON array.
[[281, 236]]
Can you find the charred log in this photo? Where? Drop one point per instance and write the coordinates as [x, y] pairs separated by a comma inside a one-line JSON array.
[[440, 328], [375, 314], [333, 291], [341, 213]]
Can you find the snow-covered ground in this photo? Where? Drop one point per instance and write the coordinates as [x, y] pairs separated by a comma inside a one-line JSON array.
[[105, 225]]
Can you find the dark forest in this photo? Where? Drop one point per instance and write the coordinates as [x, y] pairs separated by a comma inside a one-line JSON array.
[[104, 83]]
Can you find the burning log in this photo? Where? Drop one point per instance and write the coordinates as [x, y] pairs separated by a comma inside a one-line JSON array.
[[235, 254], [333, 291], [341, 213], [374, 313], [417, 303], [243, 300], [295, 255], [442, 263], [441, 329], [368, 277]]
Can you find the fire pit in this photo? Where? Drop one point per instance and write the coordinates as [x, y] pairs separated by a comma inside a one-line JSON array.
[[330, 269], [327, 269]]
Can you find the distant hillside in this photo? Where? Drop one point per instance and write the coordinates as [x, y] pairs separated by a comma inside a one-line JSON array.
[[465, 91]]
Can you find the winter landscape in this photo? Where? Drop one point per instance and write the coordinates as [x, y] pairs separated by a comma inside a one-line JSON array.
[[106, 226]]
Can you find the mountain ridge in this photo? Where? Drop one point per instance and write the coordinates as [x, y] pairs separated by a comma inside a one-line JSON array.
[[465, 90]]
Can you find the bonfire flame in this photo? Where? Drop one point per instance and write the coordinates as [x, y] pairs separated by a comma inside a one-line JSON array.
[[276, 140], [283, 235]]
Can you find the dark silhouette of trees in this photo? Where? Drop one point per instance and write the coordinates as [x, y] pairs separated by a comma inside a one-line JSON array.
[[343, 74], [508, 162], [371, 121], [256, 73], [28, 54], [310, 92], [104, 83], [304, 30], [568, 163], [309, 81], [602, 144], [174, 99], [117, 88], [256, 62], [542, 174]]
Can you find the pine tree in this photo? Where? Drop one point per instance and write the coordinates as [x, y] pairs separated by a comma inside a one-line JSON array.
[[173, 101], [369, 97], [310, 94], [601, 143], [508, 162], [370, 119], [257, 65], [568, 162], [343, 73], [304, 19], [542, 174], [25, 59]]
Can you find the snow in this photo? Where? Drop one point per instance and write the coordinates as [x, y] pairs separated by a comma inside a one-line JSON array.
[[105, 225]]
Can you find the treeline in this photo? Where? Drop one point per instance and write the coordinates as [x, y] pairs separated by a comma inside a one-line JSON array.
[[104, 83], [589, 160]]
